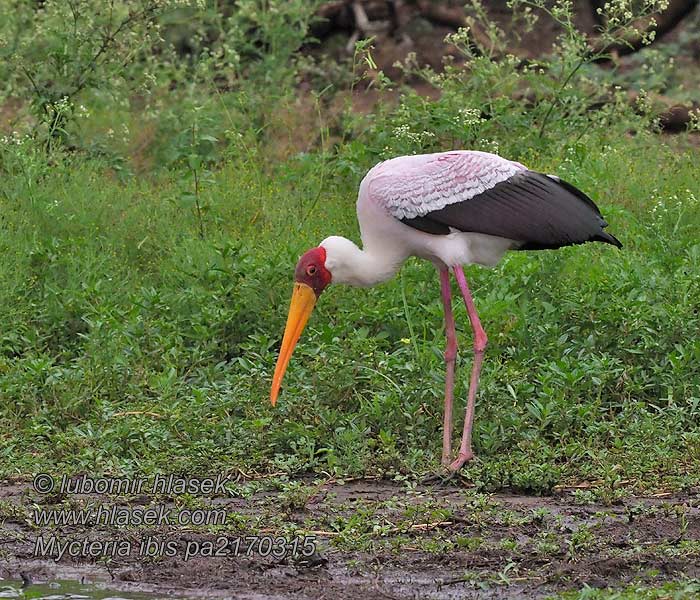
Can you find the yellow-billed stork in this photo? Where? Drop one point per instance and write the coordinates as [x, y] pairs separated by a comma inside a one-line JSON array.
[[451, 208]]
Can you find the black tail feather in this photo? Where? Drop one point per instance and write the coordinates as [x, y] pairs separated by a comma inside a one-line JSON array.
[[608, 238], [535, 210]]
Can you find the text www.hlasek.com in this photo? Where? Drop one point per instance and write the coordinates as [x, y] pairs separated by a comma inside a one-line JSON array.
[[119, 516]]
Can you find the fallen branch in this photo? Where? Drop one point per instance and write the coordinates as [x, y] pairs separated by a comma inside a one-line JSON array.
[[416, 527]]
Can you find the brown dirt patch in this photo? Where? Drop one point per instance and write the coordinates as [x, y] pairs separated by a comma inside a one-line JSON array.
[[373, 539]]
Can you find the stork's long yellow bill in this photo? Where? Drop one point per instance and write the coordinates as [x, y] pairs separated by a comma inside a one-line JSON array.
[[303, 302]]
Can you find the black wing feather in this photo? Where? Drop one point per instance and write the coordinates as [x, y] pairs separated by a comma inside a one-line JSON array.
[[538, 211]]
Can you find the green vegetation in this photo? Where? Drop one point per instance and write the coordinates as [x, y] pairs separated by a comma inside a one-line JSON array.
[[674, 591], [130, 344], [153, 208]]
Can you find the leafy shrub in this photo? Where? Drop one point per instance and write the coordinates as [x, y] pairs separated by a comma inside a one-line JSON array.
[[491, 100], [64, 57]]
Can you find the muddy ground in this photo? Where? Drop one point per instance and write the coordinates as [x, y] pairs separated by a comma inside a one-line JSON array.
[[373, 539]]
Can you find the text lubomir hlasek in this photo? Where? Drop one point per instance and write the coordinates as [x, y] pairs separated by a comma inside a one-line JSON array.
[[159, 484]]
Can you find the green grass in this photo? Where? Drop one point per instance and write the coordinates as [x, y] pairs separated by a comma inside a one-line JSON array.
[[128, 344], [668, 591]]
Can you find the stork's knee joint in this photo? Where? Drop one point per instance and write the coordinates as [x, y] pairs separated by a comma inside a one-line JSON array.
[[480, 342], [451, 350]]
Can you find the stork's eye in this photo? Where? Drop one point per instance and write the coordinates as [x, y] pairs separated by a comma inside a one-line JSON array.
[[311, 270]]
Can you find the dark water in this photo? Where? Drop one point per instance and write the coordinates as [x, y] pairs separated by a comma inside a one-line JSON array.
[[67, 590]]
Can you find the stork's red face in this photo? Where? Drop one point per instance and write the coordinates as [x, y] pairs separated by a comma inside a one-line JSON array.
[[311, 270], [311, 278]]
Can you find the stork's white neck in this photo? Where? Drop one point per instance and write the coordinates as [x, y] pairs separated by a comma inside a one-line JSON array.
[[349, 264]]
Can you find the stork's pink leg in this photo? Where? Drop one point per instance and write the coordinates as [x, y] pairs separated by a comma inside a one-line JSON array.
[[480, 341], [450, 357]]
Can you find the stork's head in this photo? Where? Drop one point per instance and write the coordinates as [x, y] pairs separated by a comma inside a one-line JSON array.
[[311, 277], [311, 270]]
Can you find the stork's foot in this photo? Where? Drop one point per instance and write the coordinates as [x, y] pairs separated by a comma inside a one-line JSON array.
[[449, 469], [462, 458]]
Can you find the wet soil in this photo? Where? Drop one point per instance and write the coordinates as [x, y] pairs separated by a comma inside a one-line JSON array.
[[371, 539]]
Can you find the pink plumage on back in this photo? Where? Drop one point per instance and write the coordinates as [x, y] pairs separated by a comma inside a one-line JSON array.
[[413, 186]]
